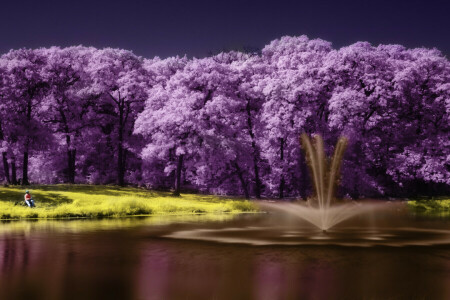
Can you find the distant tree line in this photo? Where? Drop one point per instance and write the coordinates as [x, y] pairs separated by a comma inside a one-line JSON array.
[[228, 123]]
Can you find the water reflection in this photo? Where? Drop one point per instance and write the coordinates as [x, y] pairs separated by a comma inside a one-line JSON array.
[[82, 225], [131, 260]]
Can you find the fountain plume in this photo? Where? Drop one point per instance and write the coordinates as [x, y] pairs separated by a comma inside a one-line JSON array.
[[324, 173], [323, 210]]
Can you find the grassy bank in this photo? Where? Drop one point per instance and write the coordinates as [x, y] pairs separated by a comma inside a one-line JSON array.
[[69, 201], [439, 205]]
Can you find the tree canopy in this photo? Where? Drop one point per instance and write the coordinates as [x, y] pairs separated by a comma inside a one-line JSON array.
[[228, 123]]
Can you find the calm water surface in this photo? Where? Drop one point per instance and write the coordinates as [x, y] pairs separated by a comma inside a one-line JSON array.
[[389, 255]]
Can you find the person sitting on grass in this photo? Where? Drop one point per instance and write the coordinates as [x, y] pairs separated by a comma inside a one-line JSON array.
[[28, 199]]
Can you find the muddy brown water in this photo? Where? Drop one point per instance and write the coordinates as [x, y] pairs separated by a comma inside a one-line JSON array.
[[394, 254]]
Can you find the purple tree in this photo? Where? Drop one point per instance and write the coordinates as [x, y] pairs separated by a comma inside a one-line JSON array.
[[229, 123], [160, 121], [120, 82], [383, 109], [66, 103], [22, 91], [296, 92], [421, 155]]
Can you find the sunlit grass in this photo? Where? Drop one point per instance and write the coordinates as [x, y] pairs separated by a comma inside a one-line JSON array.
[[431, 205], [87, 201]]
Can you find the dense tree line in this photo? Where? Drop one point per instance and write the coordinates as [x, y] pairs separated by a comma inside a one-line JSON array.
[[229, 123]]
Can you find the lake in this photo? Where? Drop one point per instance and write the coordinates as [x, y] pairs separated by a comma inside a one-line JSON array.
[[390, 255]]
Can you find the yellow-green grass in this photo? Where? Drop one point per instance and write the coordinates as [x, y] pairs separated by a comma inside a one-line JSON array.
[[89, 201], [442, 205]]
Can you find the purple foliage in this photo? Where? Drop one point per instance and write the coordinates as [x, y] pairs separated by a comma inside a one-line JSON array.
[[229, 123]]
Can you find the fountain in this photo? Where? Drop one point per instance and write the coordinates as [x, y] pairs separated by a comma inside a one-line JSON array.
[[391, 225], [322, 210]]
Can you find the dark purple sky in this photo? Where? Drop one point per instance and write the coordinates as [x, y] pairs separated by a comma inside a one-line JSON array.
[[196, 28]]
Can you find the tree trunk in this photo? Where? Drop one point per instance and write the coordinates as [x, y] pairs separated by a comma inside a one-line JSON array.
[[13, 171], [25, 169], [281, 191], [125, 153], [74, 155], [5, 158], [120, 171], [6, 167], [120, 166], [71, 165], [282, 182], [255, 153], [27, 148], [70, 154], [178, 176], [242, 180], [257, 180]]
